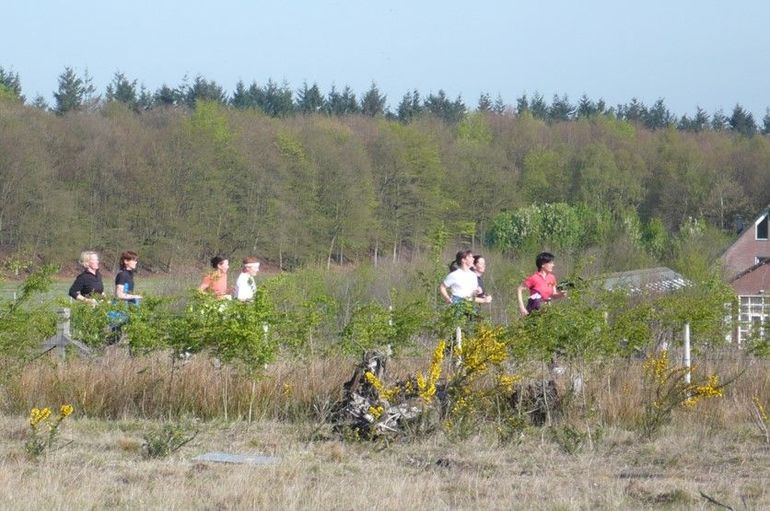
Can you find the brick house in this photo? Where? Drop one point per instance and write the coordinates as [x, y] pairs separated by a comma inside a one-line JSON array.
[[747, 265]]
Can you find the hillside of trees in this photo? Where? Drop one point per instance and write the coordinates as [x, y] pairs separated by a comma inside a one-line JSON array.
[[183, 173]]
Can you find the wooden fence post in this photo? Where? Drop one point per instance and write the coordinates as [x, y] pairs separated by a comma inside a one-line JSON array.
[[63, 338]]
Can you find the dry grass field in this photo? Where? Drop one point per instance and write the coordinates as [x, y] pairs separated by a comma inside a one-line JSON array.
[[591, 458]]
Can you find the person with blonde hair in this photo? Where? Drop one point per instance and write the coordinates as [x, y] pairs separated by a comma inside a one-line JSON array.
[[88, 286], [245, 285]]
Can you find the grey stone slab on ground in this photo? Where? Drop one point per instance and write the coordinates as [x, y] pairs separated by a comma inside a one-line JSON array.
[[242, 459]]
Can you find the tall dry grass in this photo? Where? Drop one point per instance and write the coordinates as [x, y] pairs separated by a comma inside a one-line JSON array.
[[118, 386]]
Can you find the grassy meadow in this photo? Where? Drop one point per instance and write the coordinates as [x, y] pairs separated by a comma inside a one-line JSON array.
[[595, 450], [589, 458]]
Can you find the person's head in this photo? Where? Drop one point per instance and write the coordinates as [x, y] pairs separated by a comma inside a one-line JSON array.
[[89, 260], [479, 263], [464, 259], [220, 263], [128, 260], [543, 258], [250, 265]]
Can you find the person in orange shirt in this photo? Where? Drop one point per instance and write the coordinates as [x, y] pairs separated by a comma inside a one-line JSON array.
[[216, 281]]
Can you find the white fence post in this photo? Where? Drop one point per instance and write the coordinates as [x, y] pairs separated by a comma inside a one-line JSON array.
[[687, 360], [459, 344]]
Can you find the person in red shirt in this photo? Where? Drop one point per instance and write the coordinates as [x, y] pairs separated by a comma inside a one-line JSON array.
[[541, 285]]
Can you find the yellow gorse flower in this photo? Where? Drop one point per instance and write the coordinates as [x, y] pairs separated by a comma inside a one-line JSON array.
[[383, 392], [376, 411], [482, 350], [507, 381], [710, 389], [657, 367], [66, 410], [38, 415], [426, 386]]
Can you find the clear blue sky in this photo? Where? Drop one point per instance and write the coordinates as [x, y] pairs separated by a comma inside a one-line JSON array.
[[709, 53]]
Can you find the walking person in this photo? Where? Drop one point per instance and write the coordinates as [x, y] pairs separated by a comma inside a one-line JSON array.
[[541, 285], [88, 286], [215, 282], [245, 285]]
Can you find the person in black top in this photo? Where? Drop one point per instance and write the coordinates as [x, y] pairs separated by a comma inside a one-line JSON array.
[[479, 267], [88, 286], [124, 280]]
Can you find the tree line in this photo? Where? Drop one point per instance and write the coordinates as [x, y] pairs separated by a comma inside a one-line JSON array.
[[179, 184], [75, 92]]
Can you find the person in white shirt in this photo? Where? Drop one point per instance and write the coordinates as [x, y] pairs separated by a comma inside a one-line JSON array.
[[461, 283], [245, 285]]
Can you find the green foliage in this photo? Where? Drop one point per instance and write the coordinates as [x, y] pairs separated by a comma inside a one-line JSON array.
[[90, 324], [655, 237], [593, 323], [168, 439], [371, 325], [149, 325], [556, 225], [23, 323], [73, 93], [305, 313], [234, 332]]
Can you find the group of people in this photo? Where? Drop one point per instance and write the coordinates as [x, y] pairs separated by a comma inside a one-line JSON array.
[[215, 282], [464, 282], [88, 287]]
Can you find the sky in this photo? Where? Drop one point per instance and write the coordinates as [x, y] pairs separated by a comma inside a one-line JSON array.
[[707, 53]]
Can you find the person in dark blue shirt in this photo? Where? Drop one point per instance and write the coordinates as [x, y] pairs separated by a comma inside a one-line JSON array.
[[124, 280]]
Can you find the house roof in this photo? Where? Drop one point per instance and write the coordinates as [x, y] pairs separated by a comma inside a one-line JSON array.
[[655, 280], [749, 270], [746, 227]]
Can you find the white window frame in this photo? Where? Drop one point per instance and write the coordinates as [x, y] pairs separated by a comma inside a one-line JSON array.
[[752, 310], [763, 218]]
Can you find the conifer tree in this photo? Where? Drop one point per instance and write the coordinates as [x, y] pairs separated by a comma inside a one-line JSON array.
[[742, 121], [373, 102], [586, 107], [309, 99], [73, 93], [10, 85], [538, 107], [522, 104], [499, 106], [485, 103], [123, 91], [561, 109]]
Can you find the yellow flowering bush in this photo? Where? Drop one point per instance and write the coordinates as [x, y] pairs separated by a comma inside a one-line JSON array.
[[38, 442], [666, 388], [426, 385]]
